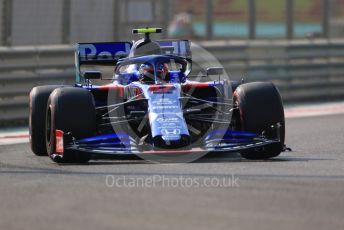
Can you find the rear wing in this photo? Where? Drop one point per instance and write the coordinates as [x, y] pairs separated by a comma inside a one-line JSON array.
[[181, 48], [106, 54]]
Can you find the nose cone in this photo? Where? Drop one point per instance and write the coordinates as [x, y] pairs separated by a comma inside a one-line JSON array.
[[171, 142], [167, 124]]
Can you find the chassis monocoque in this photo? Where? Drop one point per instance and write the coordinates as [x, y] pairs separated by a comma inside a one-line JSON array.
[[152, 107]]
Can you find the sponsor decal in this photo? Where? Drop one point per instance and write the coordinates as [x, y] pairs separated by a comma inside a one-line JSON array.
[[164, 101], [103, 51], [167, 119], [168, 132], [165, 107]]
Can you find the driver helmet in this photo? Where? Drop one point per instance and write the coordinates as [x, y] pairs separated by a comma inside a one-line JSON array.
[[162, 72], [146, 73]]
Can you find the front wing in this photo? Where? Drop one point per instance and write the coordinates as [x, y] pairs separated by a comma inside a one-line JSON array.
[[123, 145]]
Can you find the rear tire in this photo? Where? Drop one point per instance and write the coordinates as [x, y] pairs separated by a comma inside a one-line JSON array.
[[38, 103], [234, 85], [260, 106], [70, 110]]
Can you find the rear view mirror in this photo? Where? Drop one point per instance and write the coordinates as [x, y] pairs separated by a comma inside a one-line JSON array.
[[215, 71], [92, 75]]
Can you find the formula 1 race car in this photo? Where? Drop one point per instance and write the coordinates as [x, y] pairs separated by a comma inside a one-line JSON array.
[[151, 107]]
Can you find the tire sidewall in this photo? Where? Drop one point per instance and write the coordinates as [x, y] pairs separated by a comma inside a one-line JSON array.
[[38, 99], [71, 110], [260, 106]]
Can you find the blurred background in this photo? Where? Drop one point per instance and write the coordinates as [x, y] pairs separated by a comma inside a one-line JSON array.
[[35, 22], [298, 45]]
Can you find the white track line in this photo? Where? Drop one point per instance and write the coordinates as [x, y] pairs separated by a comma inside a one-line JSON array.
[[17, 137]]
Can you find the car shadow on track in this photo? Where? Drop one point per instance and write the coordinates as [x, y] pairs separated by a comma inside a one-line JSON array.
[[213, 158], [236, 158], [87, 169]]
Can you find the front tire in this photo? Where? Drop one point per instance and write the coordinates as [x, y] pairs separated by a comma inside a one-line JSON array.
[[70, 110], [260, 107], [38, 103]]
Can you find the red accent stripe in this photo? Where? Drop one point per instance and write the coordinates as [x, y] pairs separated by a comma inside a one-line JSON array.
[[120, 88], [121, 92], [161, 88], [198, 85], [59, 141], [110, 86], [193, 150]]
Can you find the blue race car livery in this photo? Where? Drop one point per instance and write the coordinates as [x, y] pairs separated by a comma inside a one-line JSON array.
[[151, 107]]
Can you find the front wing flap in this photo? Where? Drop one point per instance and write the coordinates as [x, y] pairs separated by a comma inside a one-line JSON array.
[[123, 144]]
